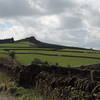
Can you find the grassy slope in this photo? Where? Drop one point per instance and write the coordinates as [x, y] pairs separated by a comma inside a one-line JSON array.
[[15, 44], [87, 54], [64, 61]]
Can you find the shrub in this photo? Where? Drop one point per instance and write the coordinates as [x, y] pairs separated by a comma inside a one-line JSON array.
[[37, 61]]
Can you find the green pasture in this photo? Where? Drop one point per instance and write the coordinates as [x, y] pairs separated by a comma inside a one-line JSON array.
[[21, 44], [79, 50], [63, 61], [86, 54]]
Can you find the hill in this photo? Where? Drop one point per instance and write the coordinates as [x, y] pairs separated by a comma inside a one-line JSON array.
[[10, 40], [50, 69], [46, 45], [37, 43], [30, 48]]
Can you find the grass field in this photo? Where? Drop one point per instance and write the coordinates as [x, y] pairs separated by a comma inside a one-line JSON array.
[[63, 61], [26, 44], [87, 54]]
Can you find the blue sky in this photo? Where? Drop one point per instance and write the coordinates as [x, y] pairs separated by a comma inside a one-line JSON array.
[[5, 25]]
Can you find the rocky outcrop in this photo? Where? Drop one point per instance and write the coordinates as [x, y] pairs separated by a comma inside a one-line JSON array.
[[29, 39]]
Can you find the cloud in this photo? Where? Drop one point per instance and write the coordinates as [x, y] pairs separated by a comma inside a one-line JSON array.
[[16, 8], [71, 22], [58, 6], [66, 22]]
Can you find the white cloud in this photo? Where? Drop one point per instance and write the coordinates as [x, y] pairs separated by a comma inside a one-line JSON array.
[[64, 22], [50, 21]]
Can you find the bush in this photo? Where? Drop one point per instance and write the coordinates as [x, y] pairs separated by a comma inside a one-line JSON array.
[[37, 61]]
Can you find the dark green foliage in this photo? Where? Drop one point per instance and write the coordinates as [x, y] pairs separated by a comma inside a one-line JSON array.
[[37, 61], [57, 64], [12, 55], [46, 63]]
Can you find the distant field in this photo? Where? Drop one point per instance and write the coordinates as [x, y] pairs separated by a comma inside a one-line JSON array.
[[87, 54], [63, 61], [15, 44]]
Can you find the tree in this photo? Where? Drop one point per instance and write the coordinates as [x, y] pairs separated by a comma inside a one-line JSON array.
[[12, 55]]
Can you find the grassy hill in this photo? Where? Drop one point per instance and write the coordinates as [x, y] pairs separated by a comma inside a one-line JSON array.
[[28, 49], [40, 44]]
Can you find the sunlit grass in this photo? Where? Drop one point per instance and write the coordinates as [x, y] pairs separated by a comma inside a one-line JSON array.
[[63, 61], [60, 53]]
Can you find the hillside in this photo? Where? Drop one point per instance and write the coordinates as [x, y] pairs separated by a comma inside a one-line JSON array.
[[34, 42], [10, 40], [28, 49], [50, 69], [46, 45], [39, 43]]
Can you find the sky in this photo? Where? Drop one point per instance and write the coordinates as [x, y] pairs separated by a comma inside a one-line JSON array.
[[66, 22]]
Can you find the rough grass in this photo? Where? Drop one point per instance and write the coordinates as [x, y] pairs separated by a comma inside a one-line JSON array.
[[19, 93], [3, 77], [27, 94], [14, 92]]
